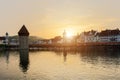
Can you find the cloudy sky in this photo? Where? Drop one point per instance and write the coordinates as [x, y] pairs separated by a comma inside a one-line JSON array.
[[49, 18]]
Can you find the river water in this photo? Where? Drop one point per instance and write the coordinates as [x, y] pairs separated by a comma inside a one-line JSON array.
[[59, 65]]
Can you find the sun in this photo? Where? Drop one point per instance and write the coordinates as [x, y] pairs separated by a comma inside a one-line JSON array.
[[69, 33]]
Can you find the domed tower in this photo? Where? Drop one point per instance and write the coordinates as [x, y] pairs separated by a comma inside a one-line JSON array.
[[23, 38], [7, 38]]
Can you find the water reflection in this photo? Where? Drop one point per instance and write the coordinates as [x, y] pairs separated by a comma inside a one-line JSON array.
[[93, 56], [48, 65], [65, 55], [104, 57], [5, 54], [24, 60]]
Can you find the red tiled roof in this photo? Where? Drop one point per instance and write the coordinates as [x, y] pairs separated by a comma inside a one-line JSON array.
[[23, 31]]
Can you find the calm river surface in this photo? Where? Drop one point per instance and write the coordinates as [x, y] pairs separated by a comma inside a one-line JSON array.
[[59, 65]]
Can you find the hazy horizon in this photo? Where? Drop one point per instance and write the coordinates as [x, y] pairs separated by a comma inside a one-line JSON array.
[[49, 18]]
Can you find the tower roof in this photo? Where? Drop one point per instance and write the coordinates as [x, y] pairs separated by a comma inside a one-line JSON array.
[[23, 31]]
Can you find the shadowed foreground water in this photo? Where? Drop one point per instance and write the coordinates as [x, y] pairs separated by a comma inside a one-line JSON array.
[[60, 65]]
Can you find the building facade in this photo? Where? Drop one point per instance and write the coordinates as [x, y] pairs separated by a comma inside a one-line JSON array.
[[103, 36], [5, 39], [109, 36], [90, 36]]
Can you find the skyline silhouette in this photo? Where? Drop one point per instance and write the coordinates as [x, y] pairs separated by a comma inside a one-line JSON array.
[[49, 18]]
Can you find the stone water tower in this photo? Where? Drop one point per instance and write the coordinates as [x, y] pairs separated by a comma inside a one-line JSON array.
[[23, 38]]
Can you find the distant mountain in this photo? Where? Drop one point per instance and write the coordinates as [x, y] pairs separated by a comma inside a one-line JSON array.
[[34, 38], [31, 38], [13, 37]]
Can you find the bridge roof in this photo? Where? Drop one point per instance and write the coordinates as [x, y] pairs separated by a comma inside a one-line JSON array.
[[23, 31]]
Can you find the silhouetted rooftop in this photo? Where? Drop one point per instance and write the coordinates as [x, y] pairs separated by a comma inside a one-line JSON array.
[[89, 33], [23, 31], [109, 32]]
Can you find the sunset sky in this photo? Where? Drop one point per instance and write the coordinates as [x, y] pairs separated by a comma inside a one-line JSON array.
[[49, 18]]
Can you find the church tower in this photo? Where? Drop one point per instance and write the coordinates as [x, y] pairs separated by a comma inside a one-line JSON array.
[[64, 37], [23, 38]]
